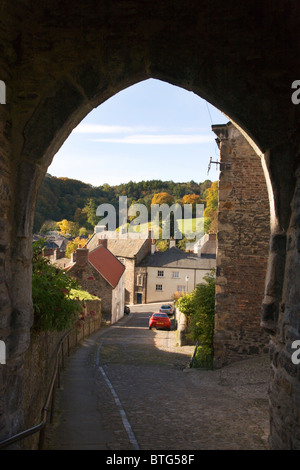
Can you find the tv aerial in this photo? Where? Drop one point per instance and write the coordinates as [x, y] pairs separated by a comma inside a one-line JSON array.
[[210, 162], [223, 166]]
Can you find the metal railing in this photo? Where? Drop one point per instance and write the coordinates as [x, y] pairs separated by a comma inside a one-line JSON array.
[[49, 404], [204, 363], [194, 354], [50, 401]]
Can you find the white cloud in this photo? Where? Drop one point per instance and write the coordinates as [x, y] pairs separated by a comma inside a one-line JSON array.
[[107, 129], [170, 139], [142, 135]]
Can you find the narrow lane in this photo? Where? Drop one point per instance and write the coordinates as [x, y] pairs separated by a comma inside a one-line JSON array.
[[145, 397]]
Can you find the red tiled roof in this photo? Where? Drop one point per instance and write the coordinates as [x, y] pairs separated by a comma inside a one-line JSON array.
[[107, 265]]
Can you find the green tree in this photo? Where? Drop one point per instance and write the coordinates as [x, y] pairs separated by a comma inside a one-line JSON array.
[[49, 226], [65, 198], [83, 232], [199, 308], [162, 245], [54, 309], [90, 210]]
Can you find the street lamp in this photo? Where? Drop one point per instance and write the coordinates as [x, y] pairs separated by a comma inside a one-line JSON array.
[[187, 283]]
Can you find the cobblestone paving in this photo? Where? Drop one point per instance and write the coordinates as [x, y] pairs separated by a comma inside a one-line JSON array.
[[168, 405]]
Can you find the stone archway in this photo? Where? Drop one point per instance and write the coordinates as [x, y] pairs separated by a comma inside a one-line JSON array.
[[59, 61]]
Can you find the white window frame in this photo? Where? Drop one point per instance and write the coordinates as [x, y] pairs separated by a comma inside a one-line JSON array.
[[175, 275], [181, 288], [160, 273], [160, 288]]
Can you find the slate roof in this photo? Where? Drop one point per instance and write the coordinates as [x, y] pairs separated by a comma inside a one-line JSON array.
[[125, 248], [176, 258], [110, 268]]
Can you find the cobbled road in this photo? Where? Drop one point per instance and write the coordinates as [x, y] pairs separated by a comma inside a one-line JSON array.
[[128, 387]]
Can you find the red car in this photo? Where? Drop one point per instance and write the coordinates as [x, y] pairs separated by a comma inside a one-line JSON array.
[[160, 320]]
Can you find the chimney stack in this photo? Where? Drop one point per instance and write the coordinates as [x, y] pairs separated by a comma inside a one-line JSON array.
[[102, 241], [82, 255]]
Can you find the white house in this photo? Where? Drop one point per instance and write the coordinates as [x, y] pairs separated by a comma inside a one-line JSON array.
[[174, 271]]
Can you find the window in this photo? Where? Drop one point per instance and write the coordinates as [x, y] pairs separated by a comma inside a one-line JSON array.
[[139, 280], [158, 287], [180, 289], [160, 273], [175, 274], [122, 260]]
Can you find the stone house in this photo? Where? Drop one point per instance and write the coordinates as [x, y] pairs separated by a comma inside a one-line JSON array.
[[130, 251], [54, 241], [206, 245], [174, 271], [99, 272]]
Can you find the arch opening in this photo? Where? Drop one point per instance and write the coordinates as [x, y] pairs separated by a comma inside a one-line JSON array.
[[255, 150], [57, 67]]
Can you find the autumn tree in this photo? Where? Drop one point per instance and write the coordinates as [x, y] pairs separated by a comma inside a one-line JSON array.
[[211, 210], [162, 198], [192, 199], [68, 227], [65, 198], [74, 244]]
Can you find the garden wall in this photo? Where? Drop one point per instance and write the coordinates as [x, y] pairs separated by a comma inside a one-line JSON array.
[[40, 361]]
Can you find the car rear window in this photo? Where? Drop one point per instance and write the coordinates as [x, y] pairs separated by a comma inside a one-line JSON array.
[[160, 315]]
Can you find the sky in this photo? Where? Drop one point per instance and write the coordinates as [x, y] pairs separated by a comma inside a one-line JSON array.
[[151, 130]]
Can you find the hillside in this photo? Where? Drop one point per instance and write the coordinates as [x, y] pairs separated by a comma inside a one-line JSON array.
[[64, 198]]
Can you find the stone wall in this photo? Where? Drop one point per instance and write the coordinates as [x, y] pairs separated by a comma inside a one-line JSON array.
[[40, 361], [129, 280], [242, 249], [140, 284], [96, 49], [284, 390], [91, 281], [182, 328]]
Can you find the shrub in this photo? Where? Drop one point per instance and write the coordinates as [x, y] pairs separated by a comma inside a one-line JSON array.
[[199, 307], [54, 308]]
